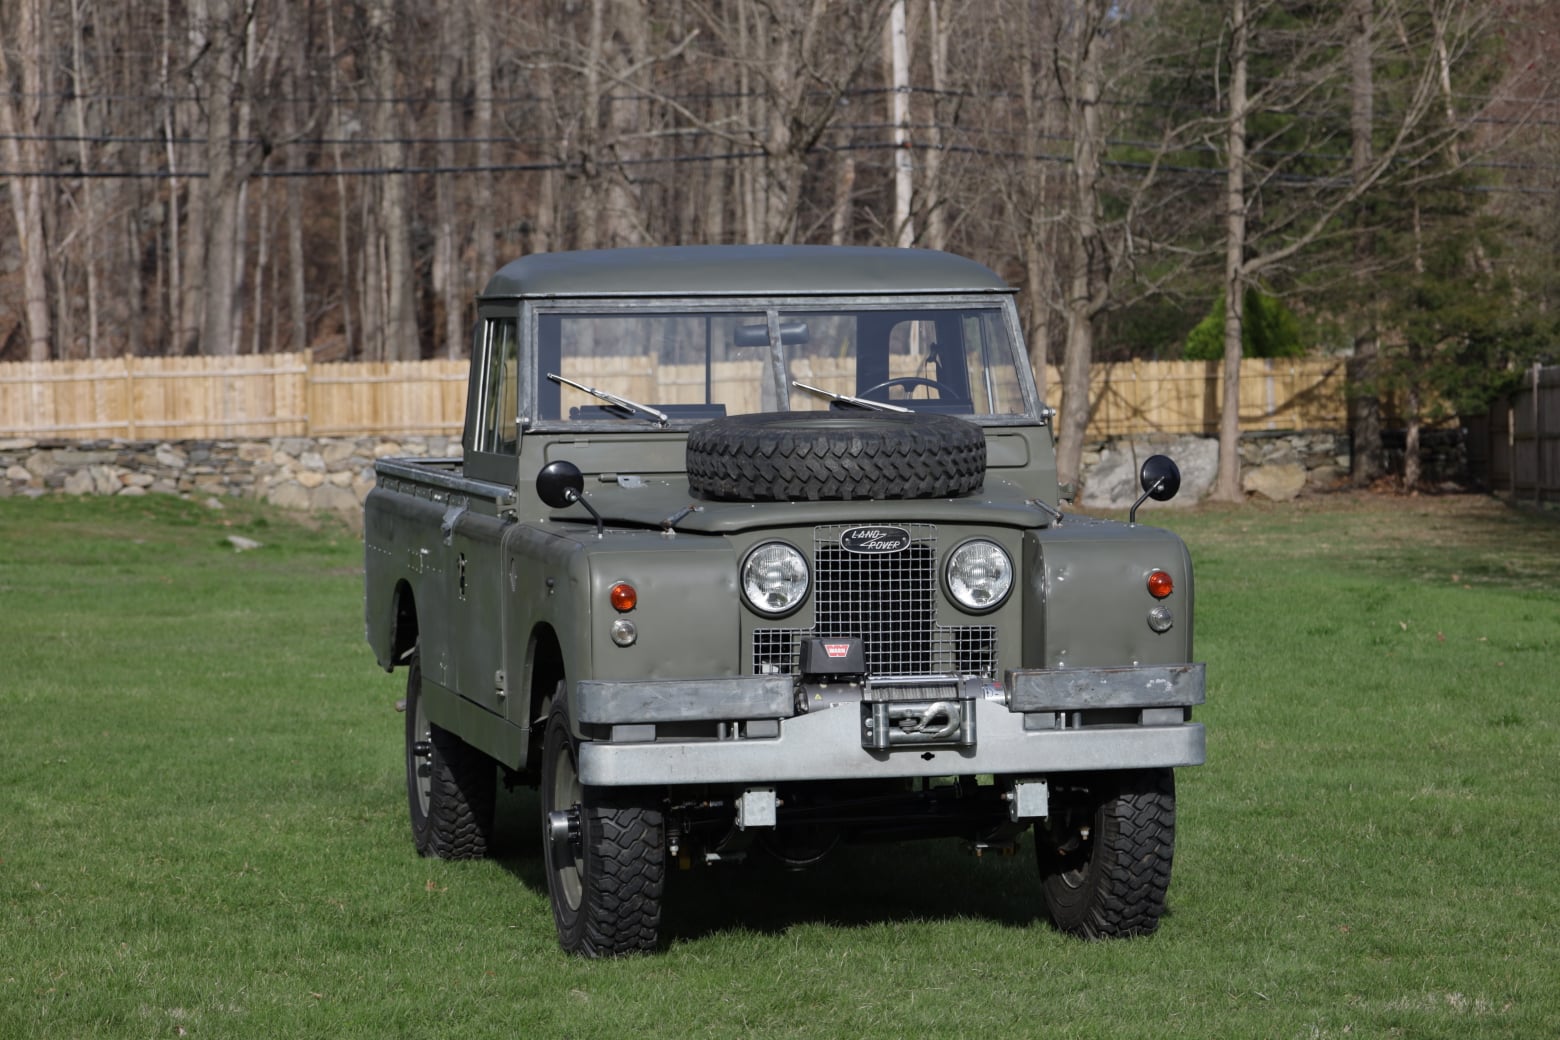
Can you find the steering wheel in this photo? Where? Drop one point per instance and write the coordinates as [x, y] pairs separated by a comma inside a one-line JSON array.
[[909, 383]]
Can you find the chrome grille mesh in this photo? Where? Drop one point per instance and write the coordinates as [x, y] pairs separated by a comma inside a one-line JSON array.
[[888, 600]]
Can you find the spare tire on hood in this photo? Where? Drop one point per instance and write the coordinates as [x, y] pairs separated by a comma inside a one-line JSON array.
[[806, 456]]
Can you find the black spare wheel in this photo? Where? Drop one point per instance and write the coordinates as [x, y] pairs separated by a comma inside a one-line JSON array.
[[792, 456]]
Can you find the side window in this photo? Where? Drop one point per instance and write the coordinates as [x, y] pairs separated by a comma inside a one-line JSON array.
[[989, 365], [501, 405]]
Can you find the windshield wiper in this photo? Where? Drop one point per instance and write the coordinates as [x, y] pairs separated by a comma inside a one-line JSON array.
[[859, 402], [611, 398]]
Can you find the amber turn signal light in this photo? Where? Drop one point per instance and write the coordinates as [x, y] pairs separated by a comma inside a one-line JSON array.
[[1160, 585], [624, 597]]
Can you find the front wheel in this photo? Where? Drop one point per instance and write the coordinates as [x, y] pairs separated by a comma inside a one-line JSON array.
[[1105, 851], [605, 852], [450, 785]]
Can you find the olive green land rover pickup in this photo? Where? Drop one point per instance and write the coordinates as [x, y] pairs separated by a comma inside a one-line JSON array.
[[757, 549]]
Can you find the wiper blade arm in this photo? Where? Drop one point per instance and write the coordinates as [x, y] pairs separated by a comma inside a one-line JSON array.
[[860, 402], [660, 417]]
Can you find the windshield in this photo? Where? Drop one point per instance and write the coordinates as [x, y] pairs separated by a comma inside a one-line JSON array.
[[692, 366]]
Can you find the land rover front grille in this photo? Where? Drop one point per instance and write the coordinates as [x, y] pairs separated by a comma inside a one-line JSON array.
[[889, 601]]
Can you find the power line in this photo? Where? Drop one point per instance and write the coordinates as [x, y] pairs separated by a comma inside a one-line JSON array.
[[1204, 172]]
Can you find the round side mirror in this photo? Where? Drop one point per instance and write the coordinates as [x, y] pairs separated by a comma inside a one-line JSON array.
[[560, 484], [1160, 478]]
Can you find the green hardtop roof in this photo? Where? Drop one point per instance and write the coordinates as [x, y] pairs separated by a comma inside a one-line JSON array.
[[741, 271]]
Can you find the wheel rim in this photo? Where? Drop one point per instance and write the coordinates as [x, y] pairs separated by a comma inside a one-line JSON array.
[[419, 755], [1071, 838], [567, 794]]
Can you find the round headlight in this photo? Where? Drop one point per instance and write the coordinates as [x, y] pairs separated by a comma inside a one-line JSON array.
[[980, 575], [774, 579]]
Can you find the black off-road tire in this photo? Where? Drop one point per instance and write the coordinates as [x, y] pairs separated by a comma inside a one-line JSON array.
[[1105, 854], [606, 890], [450, 785], [790, 456]]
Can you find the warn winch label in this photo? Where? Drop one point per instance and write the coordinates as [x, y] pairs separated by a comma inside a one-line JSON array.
[[836, 649], [875, 540]]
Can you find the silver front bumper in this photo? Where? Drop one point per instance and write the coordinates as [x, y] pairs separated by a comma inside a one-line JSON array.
[[827, 744]]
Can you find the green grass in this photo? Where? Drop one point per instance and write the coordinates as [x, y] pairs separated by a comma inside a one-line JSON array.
[[204, 822]]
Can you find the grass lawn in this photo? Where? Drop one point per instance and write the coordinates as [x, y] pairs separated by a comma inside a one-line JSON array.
[[204, 826]]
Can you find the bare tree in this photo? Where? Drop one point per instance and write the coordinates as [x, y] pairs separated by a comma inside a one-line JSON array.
[[226, 28], [447, 282], [1314, 66], [939, 31], [1364, 405], [898, 47], [1088, 289], [1035, 134], [397, 337], [24, 125], [482, 28], [1228, 487]]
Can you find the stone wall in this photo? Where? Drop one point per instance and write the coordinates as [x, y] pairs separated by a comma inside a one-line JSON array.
[[334, 474], [331, 474], [1277, 466]]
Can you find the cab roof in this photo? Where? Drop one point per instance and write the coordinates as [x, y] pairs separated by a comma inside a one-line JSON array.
[[763, 270]]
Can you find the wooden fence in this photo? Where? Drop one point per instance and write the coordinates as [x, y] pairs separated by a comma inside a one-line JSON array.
[[262, 395], [1515, 449], [192, 398]]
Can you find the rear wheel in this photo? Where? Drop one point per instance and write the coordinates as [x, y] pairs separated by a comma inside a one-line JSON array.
[[450, 785], [605, 852], [1105, 853]]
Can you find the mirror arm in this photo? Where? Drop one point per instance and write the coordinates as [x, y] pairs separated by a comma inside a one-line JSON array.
[[1132, 516], [575, 497]]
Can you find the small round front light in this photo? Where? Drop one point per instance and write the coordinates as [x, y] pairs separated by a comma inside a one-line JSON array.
[[1160, 584], [775, 579], [979, 575], [624, 597], [1160, 619], [624, 633]]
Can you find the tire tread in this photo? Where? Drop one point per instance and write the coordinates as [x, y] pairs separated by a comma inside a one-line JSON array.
[[1123, 887], [782, 456]]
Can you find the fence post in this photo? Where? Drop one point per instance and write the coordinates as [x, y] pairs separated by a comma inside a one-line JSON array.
[[308, 391], [1538, 442], [129, 397]]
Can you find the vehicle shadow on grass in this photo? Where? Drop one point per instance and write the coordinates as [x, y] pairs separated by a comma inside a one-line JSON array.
[[854, 886]]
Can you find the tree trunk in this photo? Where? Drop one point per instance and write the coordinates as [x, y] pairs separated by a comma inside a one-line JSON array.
[[1228, 486], [400, 319], [297, 290], [1039, 335], [173, 294], [844, 186], [351, 299], [899, 116], [590, 216], [89, 209], [21, 116], [1411, 463], [192, 284], [257, 309], [1086, 291], [218, 73], [1364, 405], [939, 17], [623, 216], [447, 283], [482, 127]]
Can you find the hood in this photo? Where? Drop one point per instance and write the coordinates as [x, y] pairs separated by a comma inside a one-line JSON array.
[[650, 503]]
